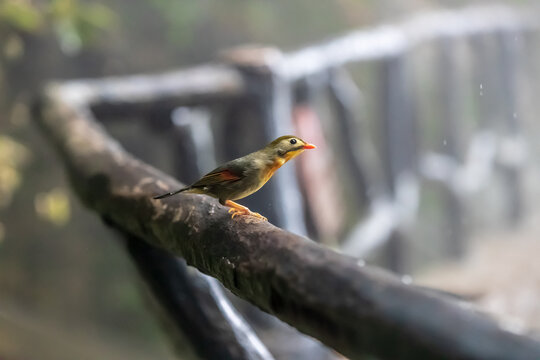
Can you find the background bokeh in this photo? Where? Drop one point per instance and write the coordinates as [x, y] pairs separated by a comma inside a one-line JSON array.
[[66, 285]]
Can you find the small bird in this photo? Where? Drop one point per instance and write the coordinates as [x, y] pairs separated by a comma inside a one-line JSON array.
[[243, 176]]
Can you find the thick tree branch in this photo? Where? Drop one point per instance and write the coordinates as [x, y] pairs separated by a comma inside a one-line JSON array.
[[356, 310]]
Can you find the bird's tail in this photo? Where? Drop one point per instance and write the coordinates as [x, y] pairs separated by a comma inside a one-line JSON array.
[[170, 193]]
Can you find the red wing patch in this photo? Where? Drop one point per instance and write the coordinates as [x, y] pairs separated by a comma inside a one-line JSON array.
[[227, 175], [217, 177]]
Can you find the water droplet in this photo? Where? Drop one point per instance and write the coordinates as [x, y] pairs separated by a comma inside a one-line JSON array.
[[445, 142], [406, 279], [481, 93], [514, 115], [361, 262], [481, 86]]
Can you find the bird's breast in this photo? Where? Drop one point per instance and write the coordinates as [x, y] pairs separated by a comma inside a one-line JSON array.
[[272, 168]]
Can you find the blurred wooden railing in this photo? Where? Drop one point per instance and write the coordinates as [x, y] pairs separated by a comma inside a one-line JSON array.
[[256, 91]]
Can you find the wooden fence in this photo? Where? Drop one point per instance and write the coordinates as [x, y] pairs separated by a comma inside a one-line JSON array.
[[259, 93]]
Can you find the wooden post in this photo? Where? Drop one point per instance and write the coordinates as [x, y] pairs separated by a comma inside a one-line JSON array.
[[193, 149], [496, 69], [484, 81], [451, 141], [398, 138], [398, 123], [510, 49], [342, 95], [271, 115]]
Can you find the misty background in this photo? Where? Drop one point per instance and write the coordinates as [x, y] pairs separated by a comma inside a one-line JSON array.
[[67, 289]]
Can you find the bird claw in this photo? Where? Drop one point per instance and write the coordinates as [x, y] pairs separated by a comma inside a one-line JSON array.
[[236, 212]]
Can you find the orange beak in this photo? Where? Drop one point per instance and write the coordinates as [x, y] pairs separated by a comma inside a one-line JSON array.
[[309, 146]]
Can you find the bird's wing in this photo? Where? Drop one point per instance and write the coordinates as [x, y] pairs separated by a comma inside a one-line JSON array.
[[222, 174]]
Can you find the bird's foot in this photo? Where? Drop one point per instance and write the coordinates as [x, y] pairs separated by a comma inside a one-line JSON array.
[[237, 209], [236, 212]]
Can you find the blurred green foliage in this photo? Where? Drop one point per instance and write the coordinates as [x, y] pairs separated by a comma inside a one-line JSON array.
[[20, 15], [13, 156], [74, 23], [180, 17], [53, 206]]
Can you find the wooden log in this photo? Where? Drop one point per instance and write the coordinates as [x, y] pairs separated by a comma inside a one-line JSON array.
[[355, 309]]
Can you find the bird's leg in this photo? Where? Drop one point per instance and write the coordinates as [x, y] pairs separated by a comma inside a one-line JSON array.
[[237, 209]]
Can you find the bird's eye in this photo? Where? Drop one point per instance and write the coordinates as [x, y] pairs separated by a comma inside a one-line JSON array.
[[293, 141]]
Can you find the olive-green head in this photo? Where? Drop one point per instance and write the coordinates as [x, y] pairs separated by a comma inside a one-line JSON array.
[[287, 147]]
